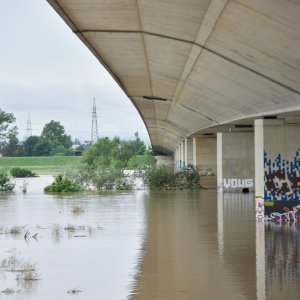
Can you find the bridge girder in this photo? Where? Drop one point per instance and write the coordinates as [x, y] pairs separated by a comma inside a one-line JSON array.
[[190, 65]]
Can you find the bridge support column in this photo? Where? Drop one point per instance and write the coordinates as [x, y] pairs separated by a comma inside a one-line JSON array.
[[277, 170], [188, 152], [182, 154], [177, 158], [235, 161]]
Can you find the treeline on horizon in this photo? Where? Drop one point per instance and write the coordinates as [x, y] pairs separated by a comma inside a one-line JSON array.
[[54, 141]]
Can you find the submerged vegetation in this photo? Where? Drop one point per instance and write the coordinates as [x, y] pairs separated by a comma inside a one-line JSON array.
[[63, 184], [21, 173], [165, 178], [6, 184], [106, 164], [77, 210], [25, 270]]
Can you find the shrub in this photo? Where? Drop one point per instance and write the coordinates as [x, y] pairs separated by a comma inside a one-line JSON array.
[[111, 179], [63, 184], [6, 184], [188, 179], [159, 178], [164, 178], [19, 172]]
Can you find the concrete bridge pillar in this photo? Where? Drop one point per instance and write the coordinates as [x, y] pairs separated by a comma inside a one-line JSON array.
[[277, 169], [205, 154], [188, 152], [235, 161], [182, 154], [177, 157]]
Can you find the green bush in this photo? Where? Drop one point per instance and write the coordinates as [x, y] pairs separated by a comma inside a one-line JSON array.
[[188, 179], [63, 184], [164, 178], [159, 178], [6, 185], [19, 172], [111, 179]]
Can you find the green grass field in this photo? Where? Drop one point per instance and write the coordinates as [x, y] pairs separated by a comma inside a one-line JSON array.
[[40, 165]]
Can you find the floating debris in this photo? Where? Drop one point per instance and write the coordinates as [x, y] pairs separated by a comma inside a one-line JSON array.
[[77, 210], [74, 291], [8, 291]]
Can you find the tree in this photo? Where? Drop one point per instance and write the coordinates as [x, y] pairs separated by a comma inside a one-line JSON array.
[[102, 152], [12, 146], [7, 127], [54, 132], [139, 148], [113, 153], [42, 148], [30, 144]]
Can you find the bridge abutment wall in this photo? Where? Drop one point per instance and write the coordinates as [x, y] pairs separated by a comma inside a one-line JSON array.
[[235, 161]]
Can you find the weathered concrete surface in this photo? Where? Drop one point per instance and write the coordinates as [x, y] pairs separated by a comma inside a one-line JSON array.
[[190, 65], [205, 155], [188, 143], [164, 161], [235, 154]]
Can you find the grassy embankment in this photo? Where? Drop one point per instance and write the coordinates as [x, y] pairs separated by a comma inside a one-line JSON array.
[[40, 165]]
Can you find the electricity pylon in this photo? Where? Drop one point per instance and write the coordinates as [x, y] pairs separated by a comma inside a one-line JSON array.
[[28, 127], [94, 130]]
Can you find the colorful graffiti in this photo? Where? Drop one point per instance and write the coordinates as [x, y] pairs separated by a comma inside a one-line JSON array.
[[282, 178], [282, 211]]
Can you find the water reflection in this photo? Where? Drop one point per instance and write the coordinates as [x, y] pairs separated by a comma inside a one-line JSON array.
[[282, 246], [192, 247], [207, 245], [175, 244]]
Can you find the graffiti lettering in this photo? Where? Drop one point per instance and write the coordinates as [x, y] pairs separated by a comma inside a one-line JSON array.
[[287, 216], [237, 183]]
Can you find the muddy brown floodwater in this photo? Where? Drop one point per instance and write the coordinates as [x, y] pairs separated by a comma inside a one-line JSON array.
[[143, 245]]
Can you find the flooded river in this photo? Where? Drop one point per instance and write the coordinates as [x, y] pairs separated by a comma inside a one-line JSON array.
[[142, 245]]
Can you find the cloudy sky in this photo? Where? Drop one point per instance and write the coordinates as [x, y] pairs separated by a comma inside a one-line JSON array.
[[47, 71]]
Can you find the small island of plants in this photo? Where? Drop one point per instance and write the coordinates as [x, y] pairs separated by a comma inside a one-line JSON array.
[[113, 164], [21, 173]]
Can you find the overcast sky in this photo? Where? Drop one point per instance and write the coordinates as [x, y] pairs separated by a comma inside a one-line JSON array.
[[47, 71]]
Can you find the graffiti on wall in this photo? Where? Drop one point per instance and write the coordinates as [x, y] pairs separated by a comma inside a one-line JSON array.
[[282, 178], [282, 211], [237, 183]]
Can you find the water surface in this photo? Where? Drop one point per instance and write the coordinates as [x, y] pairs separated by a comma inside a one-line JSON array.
[[146, 245], [98, 257]]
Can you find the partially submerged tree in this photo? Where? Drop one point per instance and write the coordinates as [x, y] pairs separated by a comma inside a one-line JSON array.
[[6, 185], [113, 153]]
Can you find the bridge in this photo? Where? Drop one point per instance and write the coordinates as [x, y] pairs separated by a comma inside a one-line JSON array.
[[216, 82]]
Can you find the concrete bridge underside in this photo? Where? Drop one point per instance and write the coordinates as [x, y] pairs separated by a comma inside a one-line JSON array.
[[193, 66]]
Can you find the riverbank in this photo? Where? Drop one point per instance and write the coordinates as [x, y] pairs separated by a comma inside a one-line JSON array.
[[41, 165]]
